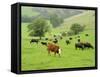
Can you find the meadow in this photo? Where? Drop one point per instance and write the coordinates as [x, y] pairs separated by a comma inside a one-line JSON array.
[[35, 56]]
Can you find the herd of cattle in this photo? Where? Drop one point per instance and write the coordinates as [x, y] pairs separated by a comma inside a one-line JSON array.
[[53, 47]]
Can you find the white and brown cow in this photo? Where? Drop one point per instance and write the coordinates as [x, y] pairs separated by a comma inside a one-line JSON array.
[[53, 48]]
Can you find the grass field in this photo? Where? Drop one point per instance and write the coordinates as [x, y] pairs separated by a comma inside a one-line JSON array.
[[35, 56]]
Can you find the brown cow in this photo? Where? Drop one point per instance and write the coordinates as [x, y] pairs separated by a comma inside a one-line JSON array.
[[53, 48]]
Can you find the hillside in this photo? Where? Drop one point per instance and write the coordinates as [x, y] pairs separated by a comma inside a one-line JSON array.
[[27, 11], [30, 13], [87, 18]]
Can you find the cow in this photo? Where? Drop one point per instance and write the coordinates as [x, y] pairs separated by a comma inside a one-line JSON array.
[[88, 45], [55, 41], [67, 42], [60, 37], [83, 45], [78, 36], [79, 45], [46, 38], [86, 34], [54, 48], [34, 41], [54, 36], [78, 40], [44, 43], [70, 38]]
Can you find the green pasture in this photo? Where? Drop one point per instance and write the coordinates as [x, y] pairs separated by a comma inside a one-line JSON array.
[[35, 56]]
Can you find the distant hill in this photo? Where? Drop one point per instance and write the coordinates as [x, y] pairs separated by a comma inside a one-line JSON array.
[[86, 18], [64, 13], [30, 13]]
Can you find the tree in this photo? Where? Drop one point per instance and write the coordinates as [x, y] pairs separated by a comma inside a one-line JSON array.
[[55, 19], [64, 34], [76, 28], [38, 27]]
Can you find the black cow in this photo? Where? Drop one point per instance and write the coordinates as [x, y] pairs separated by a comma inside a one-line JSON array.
[[46, 38], [79, 45], [44, 43], [78, 36], [78, 40], [54, 36], [88, 45], [34, 41], [86, 34], [67, 42], [55, 41], [70, 38], [61, 37], [83, 45]]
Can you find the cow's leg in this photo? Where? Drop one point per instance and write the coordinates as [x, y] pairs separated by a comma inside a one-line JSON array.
[[48, 52], [30, 41], [59, 55], [76, 47], [54, 53], [59, 52], [82, 48]]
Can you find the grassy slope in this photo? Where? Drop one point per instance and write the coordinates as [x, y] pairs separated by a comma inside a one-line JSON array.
[[34, 56], [26, 11], [85, 18]]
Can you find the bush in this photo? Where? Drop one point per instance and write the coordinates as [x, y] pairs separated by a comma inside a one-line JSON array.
[[64, 33], [77, 28], [70, 33]]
